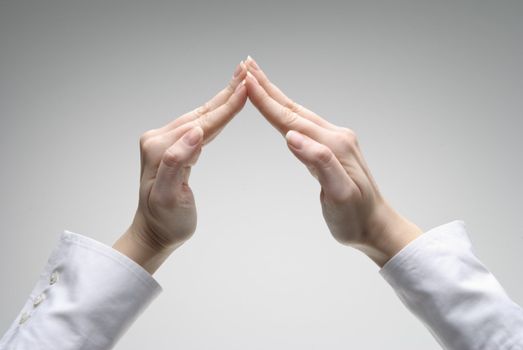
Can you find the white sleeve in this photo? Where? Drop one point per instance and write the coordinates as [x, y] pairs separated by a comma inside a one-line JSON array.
[[441, 281], [86, 297]]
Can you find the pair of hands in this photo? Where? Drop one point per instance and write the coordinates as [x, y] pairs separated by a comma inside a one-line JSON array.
[[353, 208]]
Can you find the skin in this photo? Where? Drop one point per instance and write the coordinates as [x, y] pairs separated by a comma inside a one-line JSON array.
[[354, 209], [166, 213]]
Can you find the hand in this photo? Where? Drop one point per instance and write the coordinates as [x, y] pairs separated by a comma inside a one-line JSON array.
[[166, 214], [355, 211]]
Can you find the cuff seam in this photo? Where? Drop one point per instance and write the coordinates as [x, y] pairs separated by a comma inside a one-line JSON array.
[[86, 242], [414, 246]]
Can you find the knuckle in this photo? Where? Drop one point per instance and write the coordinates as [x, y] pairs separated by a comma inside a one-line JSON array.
[[172, 158], [203, 109], [203, 121], [230, 87], [146, 136], [345, 196], [149, 145], [293, 106], [289, 117], [351, 136], [348, 139], [322, 155]]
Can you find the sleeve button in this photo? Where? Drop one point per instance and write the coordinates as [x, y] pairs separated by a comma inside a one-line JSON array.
[[25, 316], [38, 300], [54, 278]]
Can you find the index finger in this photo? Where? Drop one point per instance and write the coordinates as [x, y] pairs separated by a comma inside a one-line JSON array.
[[214, 121], [281, 117], [278, 95], [219, 99]]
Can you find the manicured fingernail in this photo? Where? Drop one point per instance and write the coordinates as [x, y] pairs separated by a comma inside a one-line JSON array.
[[238, 70], [295, 139], [193, 137], [253, 63]]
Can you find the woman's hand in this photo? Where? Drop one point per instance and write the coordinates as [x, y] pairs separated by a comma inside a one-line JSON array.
[[166, 214], [355, 211]]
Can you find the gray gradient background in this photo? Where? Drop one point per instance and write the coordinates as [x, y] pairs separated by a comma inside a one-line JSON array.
[[434, 90]]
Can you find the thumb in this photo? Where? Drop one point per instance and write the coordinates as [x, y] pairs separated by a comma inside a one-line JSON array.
[[177, 159], [333, 178]]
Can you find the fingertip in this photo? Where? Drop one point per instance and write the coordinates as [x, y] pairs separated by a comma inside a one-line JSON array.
[[295, 139], [252, 63]]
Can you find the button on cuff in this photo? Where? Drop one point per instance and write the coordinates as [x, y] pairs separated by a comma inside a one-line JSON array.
[[38, 300], [24, 317], [54, 278]]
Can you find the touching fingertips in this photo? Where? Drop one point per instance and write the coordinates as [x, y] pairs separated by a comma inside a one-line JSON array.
[[252, 63]]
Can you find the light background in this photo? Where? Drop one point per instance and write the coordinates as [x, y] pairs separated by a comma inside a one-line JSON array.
[[433, 89]]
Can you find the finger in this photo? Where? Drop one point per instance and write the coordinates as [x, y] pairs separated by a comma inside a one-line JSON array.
[[334, 180], [219, 99], [213, 122], [176, 162], [275, 92], [281, 117]]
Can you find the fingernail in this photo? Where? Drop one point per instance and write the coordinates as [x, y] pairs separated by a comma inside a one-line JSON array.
[[238, 70], [295, 139], [193, 137], [253, 63]]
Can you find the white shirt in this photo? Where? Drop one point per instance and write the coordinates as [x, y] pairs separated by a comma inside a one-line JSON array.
[[89, 294], [440, 280]]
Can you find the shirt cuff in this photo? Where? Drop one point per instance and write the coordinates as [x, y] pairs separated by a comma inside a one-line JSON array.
[[86, 297], [440, 280]]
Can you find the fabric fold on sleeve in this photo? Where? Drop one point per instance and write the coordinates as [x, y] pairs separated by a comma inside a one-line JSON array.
[[86, 297], [441, 281]]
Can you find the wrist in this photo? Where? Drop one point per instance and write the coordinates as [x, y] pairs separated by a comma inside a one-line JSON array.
[[137, 248], [388, 233]]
